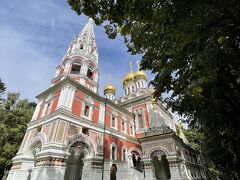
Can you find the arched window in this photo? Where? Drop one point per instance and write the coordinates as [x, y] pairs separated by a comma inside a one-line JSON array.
[[90, 73], [114, 120], [123, 124], [86, 110], [87, 107], [113, 152], [140, 121], [124, 153]]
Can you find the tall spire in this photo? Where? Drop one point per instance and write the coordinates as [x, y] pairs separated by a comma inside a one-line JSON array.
[[81, 60], [84, 43]]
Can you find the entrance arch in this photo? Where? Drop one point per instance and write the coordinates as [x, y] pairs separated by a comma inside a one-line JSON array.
[[160, 165], [84, 139], [79, 147], [78, 151]]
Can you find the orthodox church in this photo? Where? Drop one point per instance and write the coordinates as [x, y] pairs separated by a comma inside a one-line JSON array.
[[76, 134]]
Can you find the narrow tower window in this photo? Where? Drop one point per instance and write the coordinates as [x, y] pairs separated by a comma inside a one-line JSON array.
[[90, 74]]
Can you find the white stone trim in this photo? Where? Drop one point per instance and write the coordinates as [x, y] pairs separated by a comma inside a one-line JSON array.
[[102, 113], [37, 109], [66, 96], [135, 149]]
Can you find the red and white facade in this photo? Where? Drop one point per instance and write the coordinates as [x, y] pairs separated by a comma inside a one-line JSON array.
[[77, 134]]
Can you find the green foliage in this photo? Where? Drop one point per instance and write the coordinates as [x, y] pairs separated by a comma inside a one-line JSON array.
[[14, 116], [194, 49], [195, 138], [2, 90]]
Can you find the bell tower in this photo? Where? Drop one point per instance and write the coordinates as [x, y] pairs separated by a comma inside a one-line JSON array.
[[81, 60]]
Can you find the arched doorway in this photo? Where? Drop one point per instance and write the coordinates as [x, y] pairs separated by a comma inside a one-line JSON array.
[[113, 172], [160, 165], [78, 151], [31, 154]]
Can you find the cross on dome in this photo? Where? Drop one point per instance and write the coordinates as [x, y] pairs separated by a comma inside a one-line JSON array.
[[131, 66]]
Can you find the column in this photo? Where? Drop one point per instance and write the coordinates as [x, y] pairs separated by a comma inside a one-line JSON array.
[[67, 67], [92, 168], [176, 168], [35, 114], [148, 169]]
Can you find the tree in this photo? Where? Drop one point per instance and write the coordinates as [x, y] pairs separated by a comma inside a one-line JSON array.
[[196, 139], [194, 49], [2, 90], [15, 113]]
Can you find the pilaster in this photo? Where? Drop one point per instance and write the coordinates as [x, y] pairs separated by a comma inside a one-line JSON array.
[[148, 171], [176, 168], [92, 169]]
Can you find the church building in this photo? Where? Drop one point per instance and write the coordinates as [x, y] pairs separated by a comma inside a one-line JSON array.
[[76, 134]]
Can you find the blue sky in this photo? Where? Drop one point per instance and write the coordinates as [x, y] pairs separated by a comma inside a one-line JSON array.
[[34, 36]]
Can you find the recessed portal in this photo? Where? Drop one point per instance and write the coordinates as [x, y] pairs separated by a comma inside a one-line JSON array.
[[160, 166], [75, 164]]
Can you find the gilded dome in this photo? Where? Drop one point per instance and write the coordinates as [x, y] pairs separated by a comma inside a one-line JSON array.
[[128, 77], [140, 74], [109, 88]]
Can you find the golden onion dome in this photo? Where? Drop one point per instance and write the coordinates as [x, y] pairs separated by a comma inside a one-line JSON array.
[[109, 88], [129, 77], [140, 74]]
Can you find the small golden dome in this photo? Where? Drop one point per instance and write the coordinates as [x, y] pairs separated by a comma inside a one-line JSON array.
[[109, 88], [128, 77], [140, 74]]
